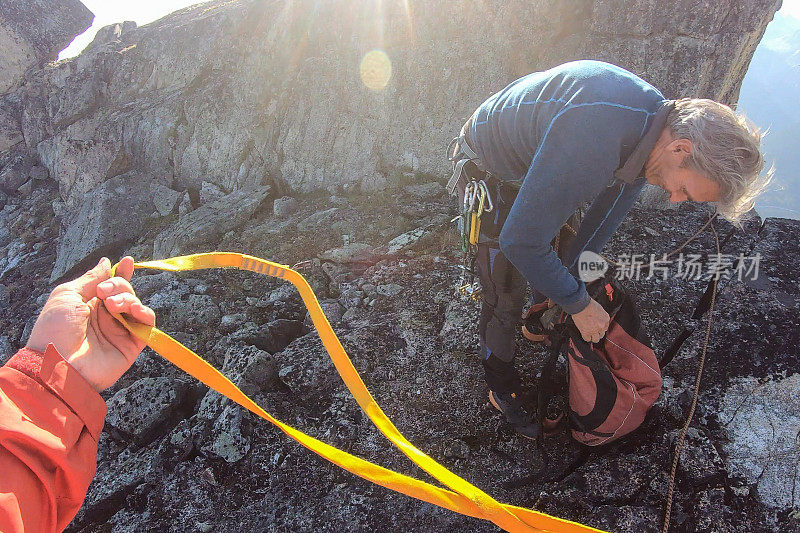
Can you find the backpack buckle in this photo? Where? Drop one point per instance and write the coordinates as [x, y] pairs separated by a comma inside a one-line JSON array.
[[610, 292]]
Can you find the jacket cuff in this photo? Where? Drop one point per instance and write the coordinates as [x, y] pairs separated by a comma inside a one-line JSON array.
[[54, 373], [579, 305], [27, 361]]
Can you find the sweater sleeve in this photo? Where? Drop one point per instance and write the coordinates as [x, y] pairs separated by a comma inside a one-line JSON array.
[[50, 422], [574, 162]]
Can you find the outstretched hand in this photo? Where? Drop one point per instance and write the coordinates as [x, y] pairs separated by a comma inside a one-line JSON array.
[[77, 321]]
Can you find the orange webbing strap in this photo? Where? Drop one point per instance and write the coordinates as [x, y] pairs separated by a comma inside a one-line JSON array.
[[466, 498]]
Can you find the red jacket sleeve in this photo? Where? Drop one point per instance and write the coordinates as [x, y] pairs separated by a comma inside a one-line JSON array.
[[50, 422]]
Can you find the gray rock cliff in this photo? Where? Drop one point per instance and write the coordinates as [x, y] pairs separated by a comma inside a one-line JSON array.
[[248, 93]]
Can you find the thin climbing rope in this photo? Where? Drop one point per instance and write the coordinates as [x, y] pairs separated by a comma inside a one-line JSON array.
[[676, 250], [685, 428]]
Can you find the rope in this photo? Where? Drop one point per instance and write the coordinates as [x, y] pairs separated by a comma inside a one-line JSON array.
[[578, 215], [690, 239], [558, 239], [676, 250], [685, 428]]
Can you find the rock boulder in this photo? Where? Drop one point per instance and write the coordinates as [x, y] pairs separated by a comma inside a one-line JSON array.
[[141, 410], [108, 219], [207, 224]]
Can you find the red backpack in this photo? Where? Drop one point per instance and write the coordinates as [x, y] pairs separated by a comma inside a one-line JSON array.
[[613, 383]]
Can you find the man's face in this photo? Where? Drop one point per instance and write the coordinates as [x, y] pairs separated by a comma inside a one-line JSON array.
[[681, 182]]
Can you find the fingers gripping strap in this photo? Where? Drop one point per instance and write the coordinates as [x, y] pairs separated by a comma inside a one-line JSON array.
[[464, 498]]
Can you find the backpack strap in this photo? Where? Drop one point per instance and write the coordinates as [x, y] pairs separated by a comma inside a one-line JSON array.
[[576, 423], [546, 384]]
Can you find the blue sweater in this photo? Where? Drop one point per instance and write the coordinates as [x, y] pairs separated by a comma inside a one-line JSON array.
[[560, 134]]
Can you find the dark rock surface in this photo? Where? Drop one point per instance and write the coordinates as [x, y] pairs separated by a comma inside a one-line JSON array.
[[140, 410], [212, 466]]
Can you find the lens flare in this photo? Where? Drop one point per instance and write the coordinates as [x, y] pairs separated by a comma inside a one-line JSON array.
[[376, 70]]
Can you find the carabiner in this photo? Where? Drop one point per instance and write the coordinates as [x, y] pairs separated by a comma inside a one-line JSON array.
[[485, 189], [474, 191], [481, 201], [468, 192]]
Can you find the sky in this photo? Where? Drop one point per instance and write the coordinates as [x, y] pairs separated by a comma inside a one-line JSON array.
[[791, 7], [110, 11], [145, 11]]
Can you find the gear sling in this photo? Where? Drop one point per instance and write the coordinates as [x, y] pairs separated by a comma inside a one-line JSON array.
[[461, 496]]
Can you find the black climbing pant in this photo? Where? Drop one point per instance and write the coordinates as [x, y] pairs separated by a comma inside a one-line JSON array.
[[503, 296]]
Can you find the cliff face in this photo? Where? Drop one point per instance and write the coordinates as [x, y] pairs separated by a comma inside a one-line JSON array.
[[32, 32], [232, 91], [228, 125], [246, 93]]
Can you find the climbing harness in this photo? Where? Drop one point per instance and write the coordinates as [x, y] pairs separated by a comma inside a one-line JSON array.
[[459, 153], [463, 497], [476, 200]]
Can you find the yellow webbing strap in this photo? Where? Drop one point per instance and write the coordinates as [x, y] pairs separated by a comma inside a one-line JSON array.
[[466, 498]]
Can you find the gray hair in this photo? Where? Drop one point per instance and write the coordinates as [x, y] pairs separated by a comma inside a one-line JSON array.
[[726, 150]]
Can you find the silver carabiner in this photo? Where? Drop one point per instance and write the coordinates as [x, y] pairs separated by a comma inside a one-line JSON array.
[[488, 196], [474, 195], [468, 195]]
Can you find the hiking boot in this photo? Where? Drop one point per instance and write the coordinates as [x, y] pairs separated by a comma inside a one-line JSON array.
[[511, 407]]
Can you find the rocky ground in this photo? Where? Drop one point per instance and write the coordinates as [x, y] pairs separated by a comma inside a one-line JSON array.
[[175, 457]]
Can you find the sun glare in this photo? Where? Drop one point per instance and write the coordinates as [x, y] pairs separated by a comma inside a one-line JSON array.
[[376, 70]]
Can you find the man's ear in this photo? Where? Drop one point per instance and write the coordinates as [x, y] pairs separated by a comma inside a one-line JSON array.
[[683, 147]]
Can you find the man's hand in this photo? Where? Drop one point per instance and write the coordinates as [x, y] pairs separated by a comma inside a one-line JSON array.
[[592, 322], [77, 321]]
